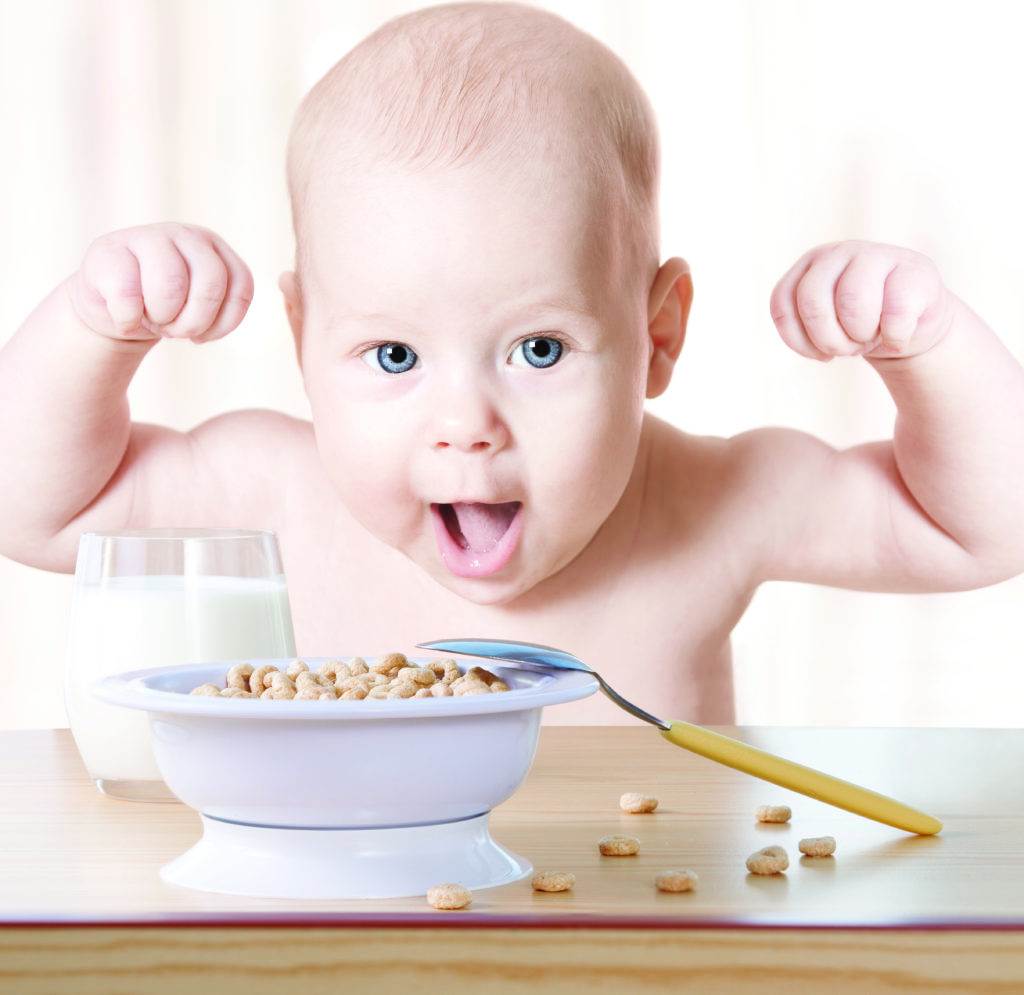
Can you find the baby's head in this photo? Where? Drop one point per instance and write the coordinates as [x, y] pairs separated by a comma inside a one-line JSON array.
[[477, 302]]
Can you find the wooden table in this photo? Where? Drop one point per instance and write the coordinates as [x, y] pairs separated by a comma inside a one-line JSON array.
[[83, 909]]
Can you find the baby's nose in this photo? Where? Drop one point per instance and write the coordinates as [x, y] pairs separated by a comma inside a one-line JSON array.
[[470, 427]]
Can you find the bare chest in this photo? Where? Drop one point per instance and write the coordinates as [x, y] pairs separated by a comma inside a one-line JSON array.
[[654, 623]]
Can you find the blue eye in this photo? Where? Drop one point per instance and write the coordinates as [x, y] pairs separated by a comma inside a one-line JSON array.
[[540, 352], [393, 357]]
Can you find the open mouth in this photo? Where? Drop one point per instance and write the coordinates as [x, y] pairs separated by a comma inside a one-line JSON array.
[[478, 527], [477, 539]]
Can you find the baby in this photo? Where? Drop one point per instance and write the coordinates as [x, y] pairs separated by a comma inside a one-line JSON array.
[[479, 312]]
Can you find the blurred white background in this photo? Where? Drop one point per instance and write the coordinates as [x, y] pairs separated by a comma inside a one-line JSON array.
[[783, 125]]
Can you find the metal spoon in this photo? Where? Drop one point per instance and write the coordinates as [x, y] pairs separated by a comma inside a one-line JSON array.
[[714, 746]]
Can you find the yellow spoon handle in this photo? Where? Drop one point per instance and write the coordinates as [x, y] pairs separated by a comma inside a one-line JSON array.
[[796, 777]]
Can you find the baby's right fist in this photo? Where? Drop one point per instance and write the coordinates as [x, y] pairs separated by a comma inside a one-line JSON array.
[[164, 280]]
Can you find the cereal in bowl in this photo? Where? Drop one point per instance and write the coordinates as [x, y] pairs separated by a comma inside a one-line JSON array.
[[389, 678]]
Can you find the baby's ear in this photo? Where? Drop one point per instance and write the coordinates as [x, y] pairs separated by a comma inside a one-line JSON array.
[[289, 284], [668, 309]]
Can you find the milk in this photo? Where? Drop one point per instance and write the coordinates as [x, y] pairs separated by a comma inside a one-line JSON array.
[[132, 623]]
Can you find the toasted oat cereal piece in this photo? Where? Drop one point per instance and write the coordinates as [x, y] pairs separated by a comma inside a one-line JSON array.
[[389, 662], [451, 671], [306, 679], [499, 686], [481, 674], [296, 667], [466, 682], [354, 694], [210, 690], [256, 678], [449, 896], [347, 683], [357, 665], [440, 690], [279, 681], [238, 676], [280, 692], [422, 676], [423, 693], [818, 846], [685, 880], [636, 803], [309, 693], [768, 860], [553, 881], [404, 690], [230, 692], [773, 813], [618, 846], [476, 687], [380, 692]]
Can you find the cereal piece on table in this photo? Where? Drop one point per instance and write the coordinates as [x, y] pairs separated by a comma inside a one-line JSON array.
[[768, 860], [297, 667], [618, 846], [440, 690], [636, 803], [818, 846], [773, 813], [553, 881], [205, 690], [256, 678], [449, 896], [685, 880], [238, 676]]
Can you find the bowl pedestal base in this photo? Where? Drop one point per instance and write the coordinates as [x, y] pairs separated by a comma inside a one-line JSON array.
[[272, 862]]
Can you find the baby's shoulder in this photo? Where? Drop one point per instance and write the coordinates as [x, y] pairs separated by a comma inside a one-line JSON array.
[[686, 470]]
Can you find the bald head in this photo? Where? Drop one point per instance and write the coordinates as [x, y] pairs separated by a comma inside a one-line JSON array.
[[483, 84]]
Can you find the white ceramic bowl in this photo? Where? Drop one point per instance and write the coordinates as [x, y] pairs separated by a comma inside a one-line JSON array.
[[342, 764]]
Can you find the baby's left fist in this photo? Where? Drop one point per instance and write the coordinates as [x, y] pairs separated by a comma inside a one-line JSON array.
[[861, 298]]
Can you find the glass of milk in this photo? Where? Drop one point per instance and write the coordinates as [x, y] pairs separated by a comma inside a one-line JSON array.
[[158, 597]]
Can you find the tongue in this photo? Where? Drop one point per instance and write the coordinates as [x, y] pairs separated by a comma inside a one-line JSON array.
[[483, 525]]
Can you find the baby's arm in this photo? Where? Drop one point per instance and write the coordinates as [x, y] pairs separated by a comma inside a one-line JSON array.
[[73, 459], [938, 507]]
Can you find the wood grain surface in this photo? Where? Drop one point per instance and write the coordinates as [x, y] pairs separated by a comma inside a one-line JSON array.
[[81, 901]]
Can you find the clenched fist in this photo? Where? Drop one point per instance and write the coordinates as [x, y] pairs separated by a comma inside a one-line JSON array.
[[161, 281], [861, 299]]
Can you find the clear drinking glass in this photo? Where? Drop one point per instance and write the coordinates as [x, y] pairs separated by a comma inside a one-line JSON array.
[[153, 598]]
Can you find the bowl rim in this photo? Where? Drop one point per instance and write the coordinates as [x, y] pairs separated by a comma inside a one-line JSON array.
[[133, 689]]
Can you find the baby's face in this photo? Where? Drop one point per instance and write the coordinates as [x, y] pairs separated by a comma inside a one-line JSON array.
[[464, 340]]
